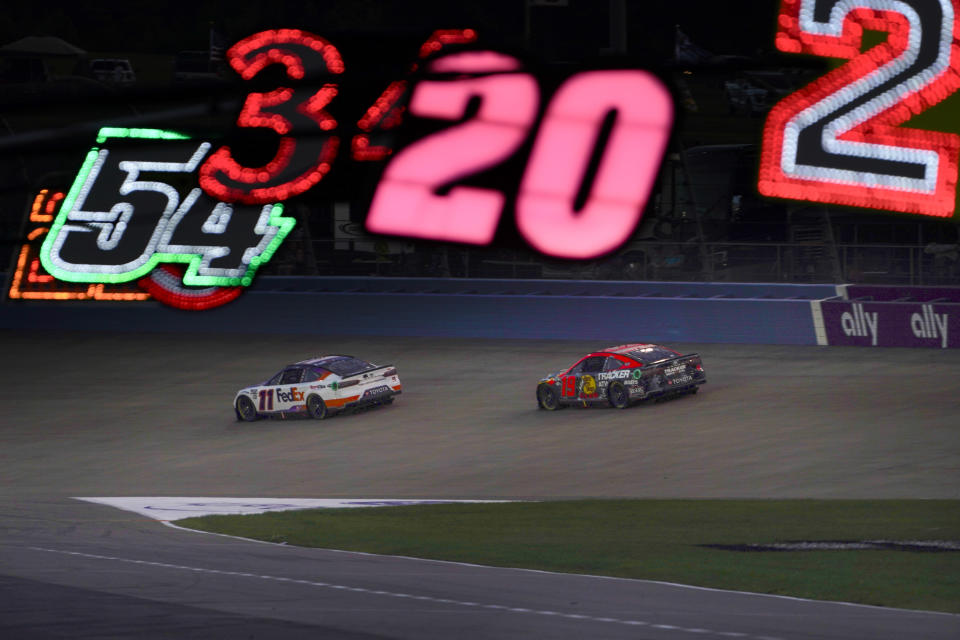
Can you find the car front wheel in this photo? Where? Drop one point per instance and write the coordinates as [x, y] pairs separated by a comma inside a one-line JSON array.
[[316, 407], [547, 397], [245, 409]]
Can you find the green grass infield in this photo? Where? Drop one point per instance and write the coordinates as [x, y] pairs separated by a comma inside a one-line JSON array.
[[657, 540]]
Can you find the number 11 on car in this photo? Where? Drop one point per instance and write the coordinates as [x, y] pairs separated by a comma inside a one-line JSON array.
[[266, 400]]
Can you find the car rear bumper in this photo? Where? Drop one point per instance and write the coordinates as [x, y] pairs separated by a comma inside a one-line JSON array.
[[367, 400]]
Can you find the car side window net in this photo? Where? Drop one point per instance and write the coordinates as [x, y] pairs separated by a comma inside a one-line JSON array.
[[290, 376], [594, 364], [612, 364]]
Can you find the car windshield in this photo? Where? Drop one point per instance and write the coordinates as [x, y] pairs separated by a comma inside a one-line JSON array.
[[651, 354]]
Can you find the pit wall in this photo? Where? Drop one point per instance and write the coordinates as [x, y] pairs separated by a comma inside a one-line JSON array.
[[878, 316], [608, 312]]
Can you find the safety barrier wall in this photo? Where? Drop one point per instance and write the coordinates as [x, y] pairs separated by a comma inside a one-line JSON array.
[[611, 311], [348, 284], [880, 293], [879, 316], [606, 311]]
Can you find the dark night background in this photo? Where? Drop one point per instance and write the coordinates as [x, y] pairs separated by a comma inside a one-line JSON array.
[[704, 221], [151, 27]]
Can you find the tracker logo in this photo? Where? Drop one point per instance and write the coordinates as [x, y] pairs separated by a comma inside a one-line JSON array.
[[929, 324], [858, 322], [615, 375], [290, 396]]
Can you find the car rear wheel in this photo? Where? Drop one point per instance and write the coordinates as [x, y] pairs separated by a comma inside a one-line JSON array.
[[245, 409], [316, 407], [547, 397], [618, 396]]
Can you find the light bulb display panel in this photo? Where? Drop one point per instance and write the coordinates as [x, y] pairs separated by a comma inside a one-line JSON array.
[[30, 281], [306, 140], [134, 206], [843, 139], [189, 221], [633, 105]]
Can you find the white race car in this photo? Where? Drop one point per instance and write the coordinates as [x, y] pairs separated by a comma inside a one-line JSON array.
[[319, 387]]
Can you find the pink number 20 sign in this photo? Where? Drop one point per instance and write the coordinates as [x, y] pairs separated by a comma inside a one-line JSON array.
[[407, 203]]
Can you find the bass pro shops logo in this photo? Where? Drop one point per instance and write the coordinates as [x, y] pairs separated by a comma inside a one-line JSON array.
[[860, 323], [588, 386], [929, 324]]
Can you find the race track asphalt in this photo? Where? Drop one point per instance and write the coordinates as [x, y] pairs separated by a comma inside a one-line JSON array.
[[89, 414]]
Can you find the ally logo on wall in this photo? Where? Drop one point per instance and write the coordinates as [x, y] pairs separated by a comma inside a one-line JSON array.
[[155, 212], [887, 324]]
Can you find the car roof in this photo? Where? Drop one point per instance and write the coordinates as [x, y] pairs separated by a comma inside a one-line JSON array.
[[627, 348], [606, 353], [322, 360]]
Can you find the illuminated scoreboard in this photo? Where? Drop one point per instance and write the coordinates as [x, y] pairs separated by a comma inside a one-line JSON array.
[[189, 220], [154, 211], [407, 201], [31, 282]]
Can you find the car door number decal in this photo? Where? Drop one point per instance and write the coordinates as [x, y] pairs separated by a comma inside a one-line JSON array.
[[266, 400]]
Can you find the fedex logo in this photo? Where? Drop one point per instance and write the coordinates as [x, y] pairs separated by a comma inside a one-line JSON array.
[[290, 396], [929, 324]]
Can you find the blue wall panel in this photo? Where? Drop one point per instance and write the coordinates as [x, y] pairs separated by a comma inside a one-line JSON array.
[[337, 306]]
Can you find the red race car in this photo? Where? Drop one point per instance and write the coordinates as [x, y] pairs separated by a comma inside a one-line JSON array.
[[621, 375]]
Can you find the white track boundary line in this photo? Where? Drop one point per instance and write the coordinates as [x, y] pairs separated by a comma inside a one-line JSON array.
[[678, 585], [818, 327], [816, 312], [397, 594]]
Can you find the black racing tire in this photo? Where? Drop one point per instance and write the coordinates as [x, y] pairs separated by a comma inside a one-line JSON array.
[[246, 411], [618, 396], [316, 407], [547, 397]]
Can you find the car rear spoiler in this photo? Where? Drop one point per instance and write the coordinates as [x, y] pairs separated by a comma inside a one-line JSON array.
[[658, 366], [689, 355], [371, 370]]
